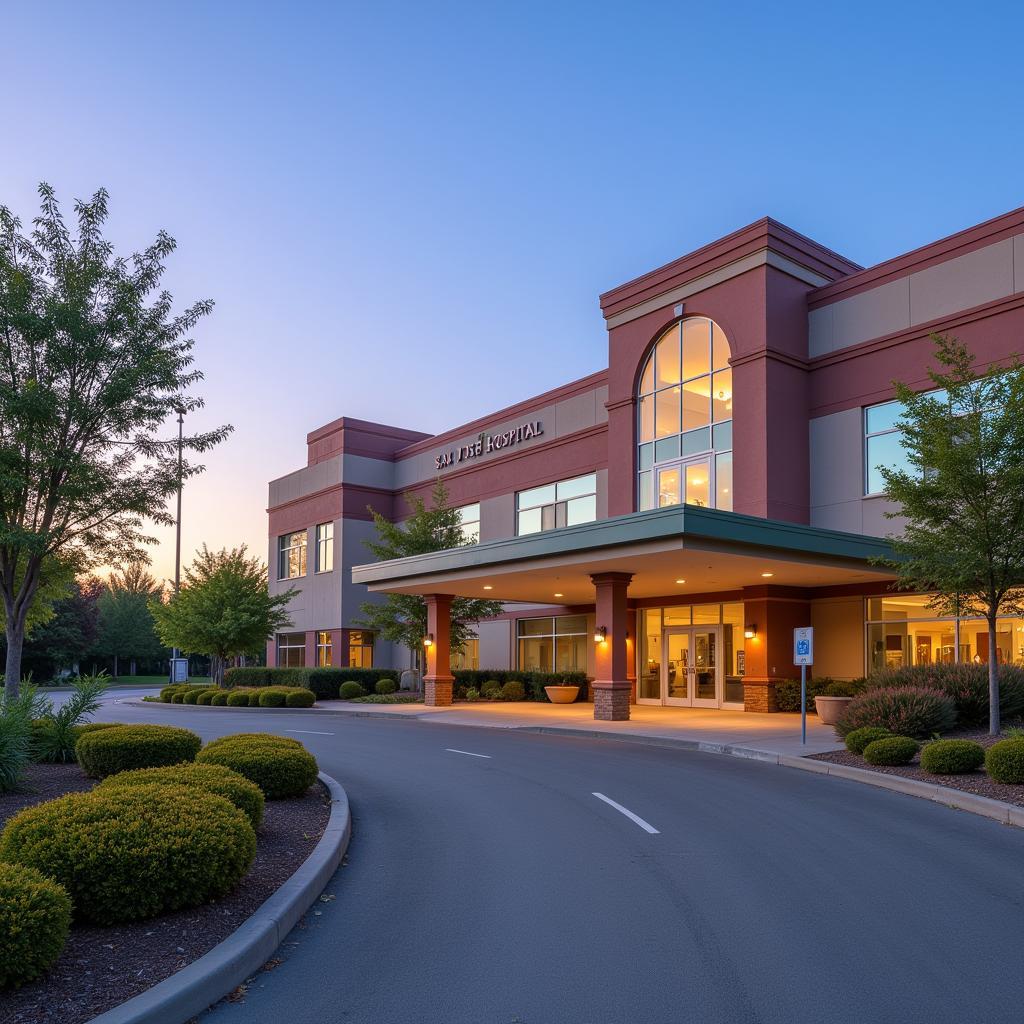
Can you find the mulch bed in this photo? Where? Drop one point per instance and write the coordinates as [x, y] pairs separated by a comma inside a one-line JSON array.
[[102, 967], [974, 782]]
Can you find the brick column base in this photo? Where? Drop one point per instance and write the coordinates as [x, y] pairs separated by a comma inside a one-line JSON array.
[[759, 696], [437, 690], [611, 704]]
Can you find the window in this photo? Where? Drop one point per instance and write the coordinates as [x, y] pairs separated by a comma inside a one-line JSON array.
[[552, 506], [882, 442], [324, 649], [291, 650], [468, 657], [553, 644], [325, 547], [291, 555], [684, 419], [469, 521], [360, 648]]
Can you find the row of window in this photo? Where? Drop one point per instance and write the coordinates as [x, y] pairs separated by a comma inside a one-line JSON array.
[[291, 552], [882, 442], [291, 649]]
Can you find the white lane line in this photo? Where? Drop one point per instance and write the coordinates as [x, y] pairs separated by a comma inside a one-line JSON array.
[[310, 732], [468, 753], [645, 825]]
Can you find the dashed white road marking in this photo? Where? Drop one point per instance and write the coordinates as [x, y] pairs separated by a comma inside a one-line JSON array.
[[468, 753], [635, 818]]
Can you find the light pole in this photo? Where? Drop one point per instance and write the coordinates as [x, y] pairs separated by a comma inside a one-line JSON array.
[[177, 531]]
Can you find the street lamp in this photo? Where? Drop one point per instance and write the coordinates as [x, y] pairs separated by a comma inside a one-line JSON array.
[[177, 531]]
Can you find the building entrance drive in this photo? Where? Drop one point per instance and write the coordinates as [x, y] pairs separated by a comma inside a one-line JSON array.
[[691, 674]]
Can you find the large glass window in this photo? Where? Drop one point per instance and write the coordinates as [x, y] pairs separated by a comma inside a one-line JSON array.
[[552, 506], [324, 649], [325, 547], [291, 650], [684, 426], [360, 648], [291, 555], [468, 657], [469, 521], [883, 442], [553, 644]]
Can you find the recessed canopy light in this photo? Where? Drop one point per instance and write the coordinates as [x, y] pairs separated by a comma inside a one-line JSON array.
[[487, 586], [680, 581], [767, 574], [559, 595]]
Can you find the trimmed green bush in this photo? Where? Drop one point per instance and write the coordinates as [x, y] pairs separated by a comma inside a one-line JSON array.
[[1004, 761], [299, 698], [384, 686], [254, 697], [35, 917], [952, 757], [891, 751], [213, 778], [472, 694], [49, 747], [178, 698], [191, 696], [490, 689], [206, 697], [269, 738], [841, 688], [351, 689], [326, 682], [787, 691], [280, 770], [105, 752], [238, 699], [257, 676], [272, 698], [126, 853], [905, 711], [857, 740], [512, 690], [533, 681], [219, 699]]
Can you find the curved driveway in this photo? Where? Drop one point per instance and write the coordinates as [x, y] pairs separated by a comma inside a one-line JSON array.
[[500, 890]]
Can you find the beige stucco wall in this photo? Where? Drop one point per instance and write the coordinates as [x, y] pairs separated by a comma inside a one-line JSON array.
[[838, 637]]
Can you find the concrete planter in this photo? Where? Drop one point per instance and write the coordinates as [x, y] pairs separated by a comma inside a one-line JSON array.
[[562, 694], [830, 708]]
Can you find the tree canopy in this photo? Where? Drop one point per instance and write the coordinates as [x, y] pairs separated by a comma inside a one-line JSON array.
[[223, 608], [402, 618], [93, 363], [126, 626], [962, 496]]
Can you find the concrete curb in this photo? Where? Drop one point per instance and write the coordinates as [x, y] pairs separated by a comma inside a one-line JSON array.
[[315, 712], [204, 981]]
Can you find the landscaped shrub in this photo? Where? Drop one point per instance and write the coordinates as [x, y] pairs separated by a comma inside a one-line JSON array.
[[952, 757], [892, 750], [279, 770], [385, 686], [108, 751], [272, 698], [841, 688], [238, 699], [191, 695], [490, 689], [857, 740], [907, 711], [268, 738], [35, 916], [254, 697], [1004, 761], [787, 691], [219, 699], [472, 694], [178, 698], [213, 778], [206, 697], [351, 689], [512, 690], [299, 698], [256, 676], [966, 683], [127, 853], [52, 745]]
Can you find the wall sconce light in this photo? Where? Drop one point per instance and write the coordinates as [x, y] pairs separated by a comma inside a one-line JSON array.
[[428, 640], [600, 634], [750, 630]]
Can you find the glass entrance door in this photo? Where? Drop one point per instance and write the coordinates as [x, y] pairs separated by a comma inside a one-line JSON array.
[[691, 666]]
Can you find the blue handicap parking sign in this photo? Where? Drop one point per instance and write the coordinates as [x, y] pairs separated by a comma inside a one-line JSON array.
[[803, 647]]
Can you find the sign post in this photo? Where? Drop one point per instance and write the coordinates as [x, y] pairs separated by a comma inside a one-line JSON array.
[[803, 655]]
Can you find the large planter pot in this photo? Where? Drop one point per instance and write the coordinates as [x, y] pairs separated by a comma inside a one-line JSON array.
[[410, 680], [562, 694], [830, 708]]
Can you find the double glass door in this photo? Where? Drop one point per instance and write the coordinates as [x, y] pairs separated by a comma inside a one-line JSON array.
[[691, 666]]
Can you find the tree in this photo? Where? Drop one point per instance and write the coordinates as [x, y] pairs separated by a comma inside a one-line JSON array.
[[963, 495], [223, 609], [402, 618], [92, 364], [126, 627]]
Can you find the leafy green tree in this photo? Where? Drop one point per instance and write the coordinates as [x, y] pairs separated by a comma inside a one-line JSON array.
[[963, 495], [402, 618], [223, 609], [93, 362], [126, 627]]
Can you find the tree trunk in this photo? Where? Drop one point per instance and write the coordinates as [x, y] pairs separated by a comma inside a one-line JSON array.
[[12, 669], [115, 668], [217, 670], [994, 724]]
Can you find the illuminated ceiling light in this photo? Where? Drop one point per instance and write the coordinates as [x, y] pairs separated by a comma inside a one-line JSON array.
[[559, 595], [487, 586], [767, 575], [680, 581]]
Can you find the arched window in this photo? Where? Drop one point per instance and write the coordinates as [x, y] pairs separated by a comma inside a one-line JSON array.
[[684, 425]]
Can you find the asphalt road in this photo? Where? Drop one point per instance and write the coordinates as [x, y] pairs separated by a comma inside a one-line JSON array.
[[499, 889]]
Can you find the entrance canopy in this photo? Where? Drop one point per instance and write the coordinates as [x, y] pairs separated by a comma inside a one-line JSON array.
[[672, 551]]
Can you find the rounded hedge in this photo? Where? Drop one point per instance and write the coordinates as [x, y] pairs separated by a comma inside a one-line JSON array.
[[214, 778], [857, 740], [952, 757], [385, 686], [35, 916], [126, 853], [1004, 761], [280, 770], [272, 698], [206, 697], [472, 694], [512, 690], [108, 751], [191, 695], [351, 689], [300, 698], [268, 738], [254, 698], [490, 688], [178, 698], [219, 699], [238, 699], [891, 751], [905, 711]]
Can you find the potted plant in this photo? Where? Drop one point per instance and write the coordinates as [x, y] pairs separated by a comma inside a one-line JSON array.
[[561, 692], [831, 702]]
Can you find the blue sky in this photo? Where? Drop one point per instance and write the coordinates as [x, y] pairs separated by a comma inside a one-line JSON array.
[[405, 212]]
